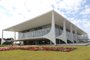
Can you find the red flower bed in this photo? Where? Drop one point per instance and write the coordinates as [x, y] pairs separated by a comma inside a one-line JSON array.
[[30, 48], [62, 49]]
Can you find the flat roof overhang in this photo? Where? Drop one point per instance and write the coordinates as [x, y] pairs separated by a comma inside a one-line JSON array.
[[43, 20], [34, 22]]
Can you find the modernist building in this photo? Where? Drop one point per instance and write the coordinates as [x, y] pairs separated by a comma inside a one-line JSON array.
[[48, 28]]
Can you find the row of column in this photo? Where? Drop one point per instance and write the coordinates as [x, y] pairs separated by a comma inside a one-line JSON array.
[[53, 37], [64, 36], [73, 36]]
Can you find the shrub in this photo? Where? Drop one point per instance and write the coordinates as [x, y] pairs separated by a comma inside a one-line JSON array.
[[62, 49], [7, 43]]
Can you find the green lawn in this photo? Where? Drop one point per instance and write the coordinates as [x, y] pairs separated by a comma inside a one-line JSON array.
[[81, 53]]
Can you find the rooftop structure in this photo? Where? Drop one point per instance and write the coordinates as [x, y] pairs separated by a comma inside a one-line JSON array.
[[48, 28]]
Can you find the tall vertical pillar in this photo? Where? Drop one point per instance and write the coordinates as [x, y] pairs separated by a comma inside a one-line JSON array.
[[64, 30], [71, 32], [75, 34], [51, 35], [53, 27], [2, 37], [2, 40], [63, 36], [14, 35]]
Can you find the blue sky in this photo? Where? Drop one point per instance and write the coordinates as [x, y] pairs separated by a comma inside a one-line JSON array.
[[13, 12]]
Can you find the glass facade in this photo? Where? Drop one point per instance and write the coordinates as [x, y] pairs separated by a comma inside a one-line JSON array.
[[42, 30], [35, 32], [58, 30], [68, 35], [39, 31], [83, 38]]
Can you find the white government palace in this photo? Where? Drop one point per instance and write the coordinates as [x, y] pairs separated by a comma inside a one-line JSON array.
[[48, 28]]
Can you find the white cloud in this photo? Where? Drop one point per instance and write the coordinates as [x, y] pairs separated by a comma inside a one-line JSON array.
[[71, 6], [87, 24], [85, 11]]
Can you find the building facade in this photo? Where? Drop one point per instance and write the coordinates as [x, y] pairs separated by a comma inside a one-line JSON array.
[[48, 28]]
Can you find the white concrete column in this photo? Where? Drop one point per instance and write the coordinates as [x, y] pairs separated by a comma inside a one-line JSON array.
[[2, 37], [63, 36], [71, 31], [14, 35], [53, 27], [22, 42], [2, 40], [64, 30], [2, 34], [51, 35], [76, 34]]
